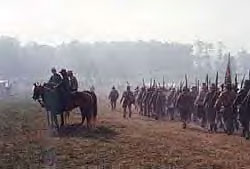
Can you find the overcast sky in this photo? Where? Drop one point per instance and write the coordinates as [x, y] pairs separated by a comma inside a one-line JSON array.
[[54, 21]]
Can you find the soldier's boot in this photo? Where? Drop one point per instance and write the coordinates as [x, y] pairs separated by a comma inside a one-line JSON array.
[[247, 136], [210, 128], [184, 125], [230, 127], [215, 127], [124, 113], [130, 112]]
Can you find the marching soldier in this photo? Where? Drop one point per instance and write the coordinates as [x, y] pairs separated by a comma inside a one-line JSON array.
[[209, 103], [171, 104], [241, 104], [127, 100], [225, 102], [140, 97], [199, 103], [113, 96], [184, 105], [194, 93]]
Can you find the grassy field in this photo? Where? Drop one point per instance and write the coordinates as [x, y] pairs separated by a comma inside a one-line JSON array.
[[116, 143]]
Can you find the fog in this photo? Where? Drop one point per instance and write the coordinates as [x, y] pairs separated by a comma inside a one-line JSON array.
[[103, 64]]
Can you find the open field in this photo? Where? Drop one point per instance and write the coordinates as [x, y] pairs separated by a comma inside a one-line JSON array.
[[126, 143]]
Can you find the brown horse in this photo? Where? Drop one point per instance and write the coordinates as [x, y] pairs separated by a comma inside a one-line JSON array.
[[51, 99]]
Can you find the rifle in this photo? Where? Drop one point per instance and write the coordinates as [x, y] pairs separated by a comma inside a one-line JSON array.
[[216, 80], [186, 81], [198, 87], [236, 81], [207, 81], [249, 74], [163, 82], [242, 81], [143, 82]]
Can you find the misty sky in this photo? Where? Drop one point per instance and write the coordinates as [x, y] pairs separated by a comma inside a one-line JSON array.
[[54, 21]]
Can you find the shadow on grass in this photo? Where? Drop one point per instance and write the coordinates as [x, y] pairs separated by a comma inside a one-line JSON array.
[[102, 133]]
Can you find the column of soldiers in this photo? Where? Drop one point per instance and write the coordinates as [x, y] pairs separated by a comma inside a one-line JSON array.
[[211, 107]]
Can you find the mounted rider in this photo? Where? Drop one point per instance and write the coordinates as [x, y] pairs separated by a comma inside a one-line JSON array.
[[73, 83], [55, 79], [65, 88]]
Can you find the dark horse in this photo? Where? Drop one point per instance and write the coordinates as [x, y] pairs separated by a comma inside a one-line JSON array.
[[51, 99]]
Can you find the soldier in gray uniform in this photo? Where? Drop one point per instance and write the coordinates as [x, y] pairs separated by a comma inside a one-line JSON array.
[[55, 79], [241, 103], [127, 100], [225, 102], [113, 96], [199, 103], [73, 83], [209, 103]]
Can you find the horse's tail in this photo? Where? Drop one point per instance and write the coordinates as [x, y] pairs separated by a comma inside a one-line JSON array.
[[94, 105]]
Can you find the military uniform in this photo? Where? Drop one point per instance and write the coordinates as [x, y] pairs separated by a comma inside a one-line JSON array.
[[199, 103], [73, 83], [193, 93], [55, 79], [171, 104], [113, 96], [127, 101], [160, 103], [65, 88], [225, 102], [209, 103], [140, 99], [184, 104], [241, 103]]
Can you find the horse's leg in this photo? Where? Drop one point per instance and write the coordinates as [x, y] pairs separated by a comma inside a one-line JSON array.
[[52, 119], [55, 120], [62, 119], [88, 115], [66, 117], [83, 115], [48, 118]]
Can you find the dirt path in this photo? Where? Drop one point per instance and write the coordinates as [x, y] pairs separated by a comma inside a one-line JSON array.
[[118, 143], [144, 143]]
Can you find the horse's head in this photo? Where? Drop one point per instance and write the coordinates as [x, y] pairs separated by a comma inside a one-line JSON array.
[[37, 91]]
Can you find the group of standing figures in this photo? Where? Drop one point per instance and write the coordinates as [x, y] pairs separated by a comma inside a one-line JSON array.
[[226, 108]]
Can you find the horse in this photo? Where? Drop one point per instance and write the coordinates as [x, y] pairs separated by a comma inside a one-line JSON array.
[[51, 98]]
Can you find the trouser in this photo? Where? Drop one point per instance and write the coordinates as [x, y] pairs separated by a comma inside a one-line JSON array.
[[184, 116], [202, 115], [211, 117], [228, 119], [244, 119], [113, 104], [129, 106], [171, 113]]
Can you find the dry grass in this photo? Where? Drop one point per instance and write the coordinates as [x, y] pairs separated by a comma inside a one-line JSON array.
[[131, 143]]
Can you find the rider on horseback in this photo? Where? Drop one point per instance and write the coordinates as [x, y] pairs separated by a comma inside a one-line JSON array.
[[64, 88], [55, 79], [73, 83]]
